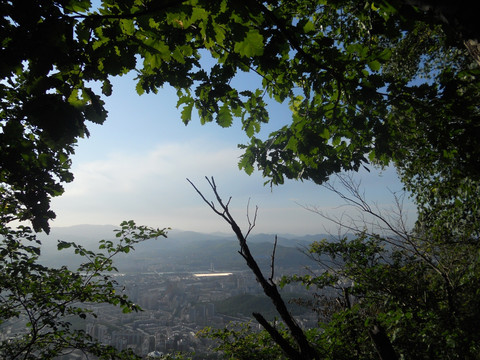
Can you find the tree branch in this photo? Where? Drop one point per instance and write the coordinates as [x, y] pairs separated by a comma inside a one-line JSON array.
[[276, 336], [305, 350], [272, 265], [382, 343]]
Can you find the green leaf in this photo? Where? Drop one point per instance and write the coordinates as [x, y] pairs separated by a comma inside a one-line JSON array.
[[107, 88], [374, 65], [308, 27], [78, 5], [224, 118], [178, 56], [336, 140], [325, 134], [246, 163], [139, 88], [127, 26], [74, 99], [63, 245], [186, 113], [157, 52], [251, 46]]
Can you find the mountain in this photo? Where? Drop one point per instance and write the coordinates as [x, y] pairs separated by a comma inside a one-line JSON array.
[[181, 251]]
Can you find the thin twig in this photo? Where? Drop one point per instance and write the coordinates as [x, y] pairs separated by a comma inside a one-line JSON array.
[[251, 224], [272, 265]]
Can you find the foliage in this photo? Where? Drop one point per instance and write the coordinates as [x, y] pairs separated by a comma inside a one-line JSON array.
[[48, 300], [339, 64], [45, 103], [173, 356], [389, 292], [367, 83], [241, 341], [422, 294], [420, 287], [425, 299]]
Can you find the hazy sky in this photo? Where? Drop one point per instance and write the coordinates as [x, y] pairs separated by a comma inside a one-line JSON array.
[[135, 167]]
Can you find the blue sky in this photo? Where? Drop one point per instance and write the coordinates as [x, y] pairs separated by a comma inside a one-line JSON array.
[[135, 167]]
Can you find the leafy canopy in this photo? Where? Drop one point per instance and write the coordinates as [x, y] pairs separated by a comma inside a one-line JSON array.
[[365, 82]]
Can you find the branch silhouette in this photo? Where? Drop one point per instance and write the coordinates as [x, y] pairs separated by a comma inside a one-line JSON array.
[[303, 348]]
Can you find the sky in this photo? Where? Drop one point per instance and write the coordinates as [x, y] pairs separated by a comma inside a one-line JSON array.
[[135, 166]]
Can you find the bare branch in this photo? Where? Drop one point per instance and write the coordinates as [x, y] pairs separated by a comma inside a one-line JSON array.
[[211, 204], [305, 350], [251, 225], [401, 238], [272, 265]]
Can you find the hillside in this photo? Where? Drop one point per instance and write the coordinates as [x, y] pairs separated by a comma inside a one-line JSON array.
[[185, 250]]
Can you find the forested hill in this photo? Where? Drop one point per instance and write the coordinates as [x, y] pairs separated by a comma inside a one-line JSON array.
[[182, 250]]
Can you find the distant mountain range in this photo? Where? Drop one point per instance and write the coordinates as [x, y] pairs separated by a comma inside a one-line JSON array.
[[185, 250]]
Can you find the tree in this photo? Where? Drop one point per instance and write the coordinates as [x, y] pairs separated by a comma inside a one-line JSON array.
[[49, 300], [418, 287], [340, 65], [368, 83], [389, 292], [240, 341]]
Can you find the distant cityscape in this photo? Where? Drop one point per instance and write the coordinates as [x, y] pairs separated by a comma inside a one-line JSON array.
[[178, 302], [176, 307]]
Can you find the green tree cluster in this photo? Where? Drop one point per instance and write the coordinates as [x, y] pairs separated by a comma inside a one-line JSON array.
[[369, 83], [49, 301]]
